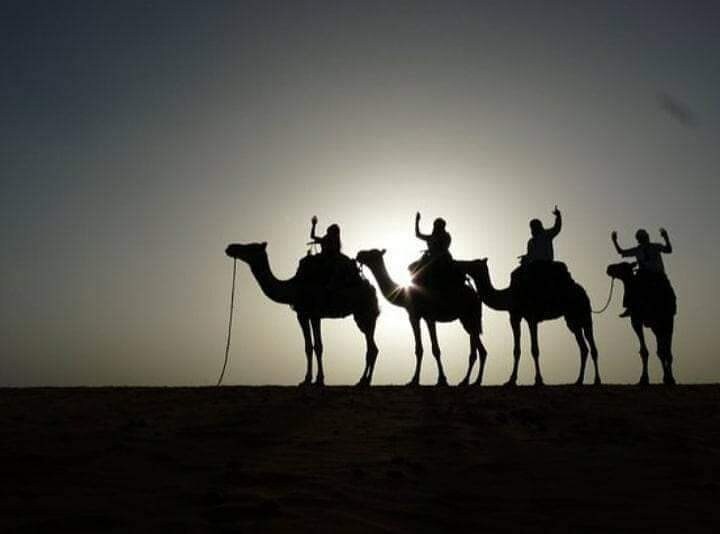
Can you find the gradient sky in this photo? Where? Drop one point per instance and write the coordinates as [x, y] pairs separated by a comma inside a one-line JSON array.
[[139, 138]]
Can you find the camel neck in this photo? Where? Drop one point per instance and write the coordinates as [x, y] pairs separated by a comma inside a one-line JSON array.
[[497, 299], [392, 292], [281, 291]]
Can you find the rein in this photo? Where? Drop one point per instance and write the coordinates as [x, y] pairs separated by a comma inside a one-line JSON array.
[[230, 321]]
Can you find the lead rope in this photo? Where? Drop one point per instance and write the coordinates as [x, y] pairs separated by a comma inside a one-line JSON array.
[[612, 286], [230, 321]]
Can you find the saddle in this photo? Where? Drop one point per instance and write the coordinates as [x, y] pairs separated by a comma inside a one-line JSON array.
[[331, 272], [436, 272], [544, 281]]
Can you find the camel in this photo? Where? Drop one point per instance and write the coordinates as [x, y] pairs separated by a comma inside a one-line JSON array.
[[574, 306], [432, 307], [656, 313], [312, 303]]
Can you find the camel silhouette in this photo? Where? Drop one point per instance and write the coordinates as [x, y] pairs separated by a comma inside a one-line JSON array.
[[656, 313], [312, 303], [431, 306], [573, 305]]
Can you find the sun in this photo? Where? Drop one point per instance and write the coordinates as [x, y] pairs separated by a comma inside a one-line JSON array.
[[397, 258]]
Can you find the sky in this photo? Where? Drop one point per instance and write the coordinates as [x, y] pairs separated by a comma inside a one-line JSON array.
[[140, 138]]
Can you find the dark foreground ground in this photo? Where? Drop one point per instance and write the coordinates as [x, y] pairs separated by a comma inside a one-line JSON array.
[[386, 459]]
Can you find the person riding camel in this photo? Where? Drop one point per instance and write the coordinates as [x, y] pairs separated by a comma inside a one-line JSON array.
[[538, 269], [651, 270], [540, 245], [436, 264], [333, 268], [330, 245], [438, 242]]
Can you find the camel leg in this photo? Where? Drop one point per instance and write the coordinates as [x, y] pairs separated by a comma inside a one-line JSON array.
[[442, 379], [515, 325], [644, 377], [471, 362], [482, 355], [583, 354], [305, 325], [367, 327], [663, 335], [590, 336], [415, 323], [317, 336], [535, 351]]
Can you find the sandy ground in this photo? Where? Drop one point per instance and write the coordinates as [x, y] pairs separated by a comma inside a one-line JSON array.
[[387, 459]]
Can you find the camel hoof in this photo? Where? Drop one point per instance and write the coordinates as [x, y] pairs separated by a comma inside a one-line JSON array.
[[413, 384], [363, 383], [319, 383], [478, 383], [464, 383], [539, 382], [510, 384], [669, 381], [442, 382], [644, 381], [597, 382], [305, 383]]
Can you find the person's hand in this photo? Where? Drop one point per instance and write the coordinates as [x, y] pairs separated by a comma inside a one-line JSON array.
[[314, 220], [663, 233], [556, 211], [417, 217], [613, 235]]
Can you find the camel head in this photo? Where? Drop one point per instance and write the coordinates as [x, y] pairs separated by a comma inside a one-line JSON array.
[[370, 258], [621, 271], [247, 253]]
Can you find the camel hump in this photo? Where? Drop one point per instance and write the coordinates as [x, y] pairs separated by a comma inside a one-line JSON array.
[[543, 281], [437, 271], [328, 270], [655, 294]]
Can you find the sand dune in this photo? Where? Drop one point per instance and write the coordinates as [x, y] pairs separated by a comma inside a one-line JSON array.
[[387, 459]]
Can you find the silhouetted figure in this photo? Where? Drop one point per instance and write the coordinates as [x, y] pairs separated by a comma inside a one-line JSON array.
[[331, 267], [435, 267], [329, 243], [542, 300], [539, 276], [313, 300], [540, 245], [649, 297], [432, 304], [651, 270], [540, 289], [438, 241]]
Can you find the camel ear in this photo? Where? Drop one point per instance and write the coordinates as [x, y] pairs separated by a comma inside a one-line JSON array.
[[484, 260], [383, 251], [264, 245]]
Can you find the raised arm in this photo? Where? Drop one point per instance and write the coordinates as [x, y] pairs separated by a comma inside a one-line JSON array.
[[624, 252], [667, 248], [313, 237], [418, 233], [555, 230]]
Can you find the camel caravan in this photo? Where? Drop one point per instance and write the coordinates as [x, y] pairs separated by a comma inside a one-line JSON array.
[[328, 284]]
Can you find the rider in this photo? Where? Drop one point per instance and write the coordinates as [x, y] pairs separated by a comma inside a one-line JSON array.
[[331, 265], [651, 270], [437, 255], [540, 246], [329, 243], [438, 241]]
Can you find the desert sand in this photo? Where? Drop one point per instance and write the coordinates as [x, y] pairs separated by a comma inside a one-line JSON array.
[[338, 459]]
